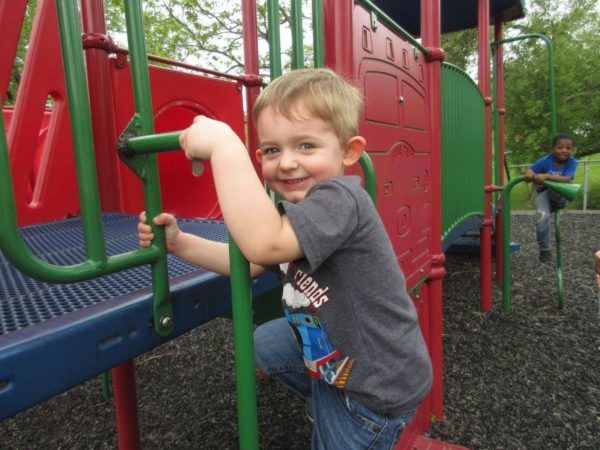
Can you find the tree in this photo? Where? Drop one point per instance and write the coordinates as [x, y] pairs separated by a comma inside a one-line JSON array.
[[460, 48], [574, 28], [205, 32]]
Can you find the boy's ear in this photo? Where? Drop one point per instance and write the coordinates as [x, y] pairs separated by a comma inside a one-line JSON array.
[[355, 146], [259, 156]]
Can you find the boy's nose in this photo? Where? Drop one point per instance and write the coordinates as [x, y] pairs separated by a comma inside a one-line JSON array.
[[288, 161]]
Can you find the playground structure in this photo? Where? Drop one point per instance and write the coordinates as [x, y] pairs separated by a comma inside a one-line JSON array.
[[74, 180]]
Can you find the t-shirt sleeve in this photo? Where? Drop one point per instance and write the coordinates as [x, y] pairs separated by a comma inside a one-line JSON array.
[[571, 167], [539, 166], [323, 221]]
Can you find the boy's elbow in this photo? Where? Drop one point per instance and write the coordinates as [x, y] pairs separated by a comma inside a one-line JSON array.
[[266, 254]]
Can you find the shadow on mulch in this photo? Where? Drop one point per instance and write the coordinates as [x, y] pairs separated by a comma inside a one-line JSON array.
[[530, 379]]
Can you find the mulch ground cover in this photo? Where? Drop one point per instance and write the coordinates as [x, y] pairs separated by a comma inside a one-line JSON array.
[[528, 379]]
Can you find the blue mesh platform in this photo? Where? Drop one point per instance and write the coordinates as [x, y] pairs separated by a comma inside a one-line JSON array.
[[55, 336]]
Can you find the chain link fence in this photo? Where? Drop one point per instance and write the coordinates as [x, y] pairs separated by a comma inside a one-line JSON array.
[[588, 175]]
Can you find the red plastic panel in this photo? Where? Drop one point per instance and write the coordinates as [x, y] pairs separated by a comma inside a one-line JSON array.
[[396, 128], [39, 140], [11, 20], [177, 97]]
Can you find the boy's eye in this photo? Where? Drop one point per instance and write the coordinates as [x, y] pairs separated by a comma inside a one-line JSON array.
[[306, 146], [270, 151]]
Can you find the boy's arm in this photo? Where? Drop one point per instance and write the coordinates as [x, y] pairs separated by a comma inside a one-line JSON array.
[[553, 177], [210, 255], [264, 236]]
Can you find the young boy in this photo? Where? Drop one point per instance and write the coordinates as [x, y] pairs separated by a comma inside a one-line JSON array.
[[558, 165], [349, 342]]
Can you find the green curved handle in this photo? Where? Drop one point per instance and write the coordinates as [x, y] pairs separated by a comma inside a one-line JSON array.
[[570, 191], [370, 179]]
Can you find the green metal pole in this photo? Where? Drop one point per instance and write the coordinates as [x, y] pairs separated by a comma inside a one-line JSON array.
[[81, 129], [274, 38], [550, 58], [496, 120], [244, 348], [559, 273], [370, 179], [161, 302], [506, 211], [297, 35], [317, 23], [153, 143]]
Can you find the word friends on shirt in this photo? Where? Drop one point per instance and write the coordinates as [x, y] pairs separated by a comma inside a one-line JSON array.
[[304, 290]]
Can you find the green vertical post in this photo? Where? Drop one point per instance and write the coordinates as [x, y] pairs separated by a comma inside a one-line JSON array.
[[496, 123], [297, 35], [161, 303], [550, 59], [317, 25], [81, 129], [244, 348], [559, 273], [274, 38], [506, 212]]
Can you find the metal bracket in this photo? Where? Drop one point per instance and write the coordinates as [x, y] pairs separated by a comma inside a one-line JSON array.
[[137, 163]]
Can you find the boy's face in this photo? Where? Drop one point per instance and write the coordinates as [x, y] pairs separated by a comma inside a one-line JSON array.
[[296, 154], [562, 149]]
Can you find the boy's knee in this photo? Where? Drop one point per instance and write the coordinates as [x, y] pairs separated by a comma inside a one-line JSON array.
[[542, 216]]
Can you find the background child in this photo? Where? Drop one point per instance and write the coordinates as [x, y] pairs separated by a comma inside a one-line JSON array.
[[350, 341], [558, 165]]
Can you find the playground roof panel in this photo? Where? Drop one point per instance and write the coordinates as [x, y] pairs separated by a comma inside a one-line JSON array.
[[456, 14]]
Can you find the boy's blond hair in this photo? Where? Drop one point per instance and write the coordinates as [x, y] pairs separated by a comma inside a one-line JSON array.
[[321, 93]]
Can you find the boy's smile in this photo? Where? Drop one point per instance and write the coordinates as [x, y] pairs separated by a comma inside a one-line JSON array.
[[297, 153]]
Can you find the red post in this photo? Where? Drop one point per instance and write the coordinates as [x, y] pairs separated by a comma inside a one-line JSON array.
[[484, 85], [101, 102], [123, 378], [431, 38], [11, 22], [499, 57], [250, 36], [337, 27]]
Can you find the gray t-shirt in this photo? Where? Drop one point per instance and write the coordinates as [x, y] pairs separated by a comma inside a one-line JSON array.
[[347, 303]]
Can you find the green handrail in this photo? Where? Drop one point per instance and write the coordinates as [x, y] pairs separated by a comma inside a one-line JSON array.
[[506, 227], [146, 166], [550, 58]]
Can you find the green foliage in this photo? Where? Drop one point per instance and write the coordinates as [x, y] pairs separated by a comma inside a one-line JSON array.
[[15, 76], [574, 28], [203, 32], [461, 48]]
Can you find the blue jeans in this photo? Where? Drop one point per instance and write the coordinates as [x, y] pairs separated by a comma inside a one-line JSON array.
[[542, 227], [339, 422]]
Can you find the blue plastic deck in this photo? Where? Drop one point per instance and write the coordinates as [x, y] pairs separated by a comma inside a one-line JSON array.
[[55, 336]]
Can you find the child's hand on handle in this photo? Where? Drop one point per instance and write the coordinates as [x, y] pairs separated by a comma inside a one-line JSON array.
[[172, 230], [204, 136]]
